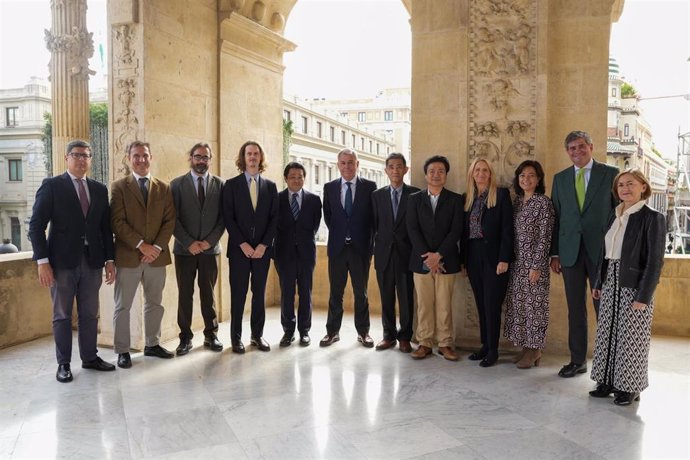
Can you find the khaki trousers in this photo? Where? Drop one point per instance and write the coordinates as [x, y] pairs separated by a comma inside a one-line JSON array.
[[434, 309]]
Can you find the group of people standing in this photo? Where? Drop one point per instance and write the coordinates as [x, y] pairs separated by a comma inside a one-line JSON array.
[[420, 240]]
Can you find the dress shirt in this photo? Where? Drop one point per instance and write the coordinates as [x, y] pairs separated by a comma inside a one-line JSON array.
[[257, 178], [433, 199], [588, 172], [343, 189], [614, 237], [195, 178], [300, 194], [76, 187]]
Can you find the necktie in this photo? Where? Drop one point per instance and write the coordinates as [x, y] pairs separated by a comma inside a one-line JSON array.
[[395, 204], [144, 189], [252, 192], [83, 199], [294, 206], [202, 193], [580, 187], [348, 199]]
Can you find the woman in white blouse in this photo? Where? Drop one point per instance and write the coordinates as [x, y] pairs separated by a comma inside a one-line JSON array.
[[628, 275]]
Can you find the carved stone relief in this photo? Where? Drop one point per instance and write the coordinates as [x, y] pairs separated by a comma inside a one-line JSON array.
[[78, 48]]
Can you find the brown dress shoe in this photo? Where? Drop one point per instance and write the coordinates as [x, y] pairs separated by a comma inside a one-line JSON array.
[[448, 353], [404, 346], [421, 352], [366, 340], [329, 339], [385, 344]]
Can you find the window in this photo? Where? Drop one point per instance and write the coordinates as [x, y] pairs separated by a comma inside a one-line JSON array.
[[361, 116], [362, 147], [11, 116], [305, 125], [371, 146], [15, 170], [354, 142], [342, 137], [613, 92], [343, 114], [16, 230], [378, 147], [286, 115], [317, 178], [626, 130], [319, 127], [388, 115], [388, 150], [332, 129]]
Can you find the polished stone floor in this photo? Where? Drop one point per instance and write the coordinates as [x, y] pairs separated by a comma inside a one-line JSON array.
[[341, 402]]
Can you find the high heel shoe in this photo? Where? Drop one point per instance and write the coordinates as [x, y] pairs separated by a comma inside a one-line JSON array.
[[516, 359], [530, 359], [625, 398]]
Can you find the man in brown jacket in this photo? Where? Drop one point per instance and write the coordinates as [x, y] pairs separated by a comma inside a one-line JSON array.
[[143, 220]]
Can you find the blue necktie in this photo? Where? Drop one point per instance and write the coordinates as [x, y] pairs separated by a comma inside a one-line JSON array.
[[348, 199], [294, 206], [144, 189], [395, 204]]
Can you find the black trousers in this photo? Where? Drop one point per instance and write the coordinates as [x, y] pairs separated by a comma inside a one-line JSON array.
[[575, 283], [396, 278], [489, 292], [242, 271], [357, 265], [298, 273], [186, 269]]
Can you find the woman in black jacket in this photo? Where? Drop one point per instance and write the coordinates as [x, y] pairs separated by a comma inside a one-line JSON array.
[[487, 247], [629, 273]]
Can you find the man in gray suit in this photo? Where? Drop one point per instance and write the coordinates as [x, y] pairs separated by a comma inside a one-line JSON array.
[[198, 228], [582, 199]]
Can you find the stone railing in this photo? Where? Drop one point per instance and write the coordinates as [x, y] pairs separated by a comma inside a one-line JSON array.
[[26, 312]]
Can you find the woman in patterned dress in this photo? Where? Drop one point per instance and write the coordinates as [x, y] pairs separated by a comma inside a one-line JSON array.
[[629, 273], [527, 307]]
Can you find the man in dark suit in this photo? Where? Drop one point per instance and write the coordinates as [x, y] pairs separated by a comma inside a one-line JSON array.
[[71, 259], [250, 211], [198, 228], [582, 199], [434, 223], [299, 217], [143, 220], [392, 248], [348, 216]]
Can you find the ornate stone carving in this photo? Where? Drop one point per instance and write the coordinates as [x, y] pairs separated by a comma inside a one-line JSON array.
[[78, 46], [123, 41], [502, 83], [258, 11], [277, 22]]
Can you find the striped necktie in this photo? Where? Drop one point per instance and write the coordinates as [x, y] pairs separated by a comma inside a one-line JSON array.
[[294, 206]]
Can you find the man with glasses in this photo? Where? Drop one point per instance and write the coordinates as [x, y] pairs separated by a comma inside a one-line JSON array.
[[198, 228], [143, 220], [72, 258]]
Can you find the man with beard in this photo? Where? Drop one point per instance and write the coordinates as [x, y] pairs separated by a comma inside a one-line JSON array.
[[198, 228]]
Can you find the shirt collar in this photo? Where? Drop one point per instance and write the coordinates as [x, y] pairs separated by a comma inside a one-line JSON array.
[[352, 181], [195, 176], [631, 210], [137, 176], [249, 176], [399, 189], [588, 166], [299, 192], [73, 177]]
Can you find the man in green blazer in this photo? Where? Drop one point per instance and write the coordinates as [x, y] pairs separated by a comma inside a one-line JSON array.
[[582, 199]]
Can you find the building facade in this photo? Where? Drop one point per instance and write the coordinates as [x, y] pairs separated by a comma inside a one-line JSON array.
[[23, 163]]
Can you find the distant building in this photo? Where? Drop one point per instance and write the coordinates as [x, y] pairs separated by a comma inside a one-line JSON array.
[[630, 143], [23, 163], [317, 139]]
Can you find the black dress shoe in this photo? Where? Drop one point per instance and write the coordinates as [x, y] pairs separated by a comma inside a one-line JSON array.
[[602, 391], [287, 339], [184, 347], [329, 339], [572, 369], [625, 398], [488, 361], [477, 356], [124, 360], [64, 373], [213, 343], [304, 340], [158, 352], [385, 344], [238, 347], [98, 365], [260, 343], [366, 340]]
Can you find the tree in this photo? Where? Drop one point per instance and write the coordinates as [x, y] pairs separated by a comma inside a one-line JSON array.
[[628, 90], [288, 130]]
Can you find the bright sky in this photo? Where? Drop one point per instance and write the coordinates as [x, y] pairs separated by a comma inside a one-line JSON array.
[[353, 48]]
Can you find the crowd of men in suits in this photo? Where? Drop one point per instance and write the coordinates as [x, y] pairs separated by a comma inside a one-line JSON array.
[[413, 235]]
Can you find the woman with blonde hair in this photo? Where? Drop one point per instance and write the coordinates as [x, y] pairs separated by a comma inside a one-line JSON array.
[[629, 272], [487, 248]]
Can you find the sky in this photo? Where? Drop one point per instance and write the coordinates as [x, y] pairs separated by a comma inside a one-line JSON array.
[[353, 48]]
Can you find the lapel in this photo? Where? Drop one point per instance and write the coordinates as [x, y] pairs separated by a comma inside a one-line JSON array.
[[189, 189], [443, 197], [595, 183], [388, 203], [402, 204], [243, 191], [133, 186], [262, 189], [72, 192]]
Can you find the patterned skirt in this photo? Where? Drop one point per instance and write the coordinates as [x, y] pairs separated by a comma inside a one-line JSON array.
[[621, 350]]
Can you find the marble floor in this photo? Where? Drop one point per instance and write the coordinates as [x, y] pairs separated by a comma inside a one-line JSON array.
[[340, 402]]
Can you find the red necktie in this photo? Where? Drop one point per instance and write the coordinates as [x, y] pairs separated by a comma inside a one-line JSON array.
[[83, 199]]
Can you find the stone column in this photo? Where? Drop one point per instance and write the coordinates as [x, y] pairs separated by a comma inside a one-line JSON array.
[[71, 46]]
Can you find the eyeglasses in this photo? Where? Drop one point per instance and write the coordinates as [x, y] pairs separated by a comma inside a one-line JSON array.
[[203, 158], [80, 156]]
